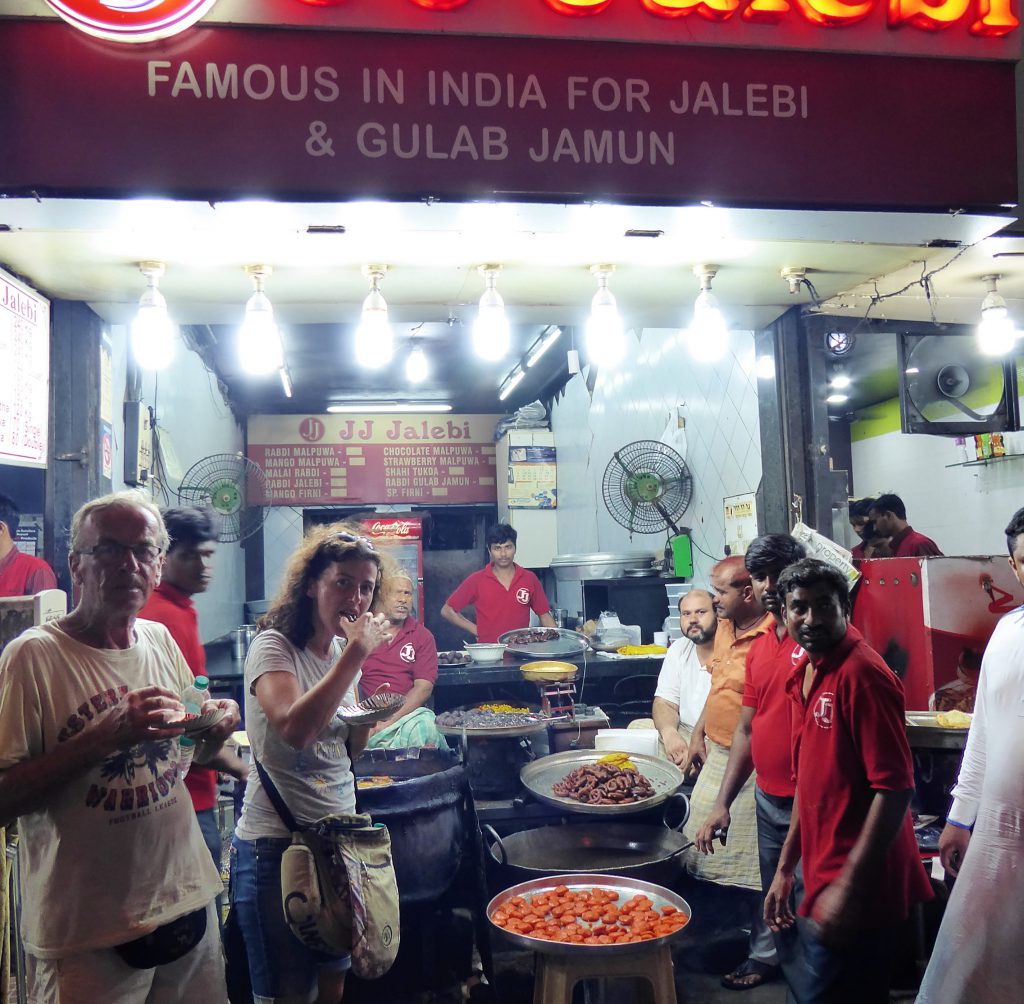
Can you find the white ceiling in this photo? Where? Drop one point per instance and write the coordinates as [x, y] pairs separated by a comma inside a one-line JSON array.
[[89, 250]]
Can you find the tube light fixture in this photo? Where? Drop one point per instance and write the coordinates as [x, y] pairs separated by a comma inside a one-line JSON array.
[[286, 380], [417, 369], [366, 407], [375, 342], [839, 381], [708, 334], [606, 337], [152, 329], [837, 399], [513, 380], [259, 341], [546, 340], [996, 332], [490, 330]]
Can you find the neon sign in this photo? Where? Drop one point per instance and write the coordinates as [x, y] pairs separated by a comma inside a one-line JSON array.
[[131, 20], [147, 20]]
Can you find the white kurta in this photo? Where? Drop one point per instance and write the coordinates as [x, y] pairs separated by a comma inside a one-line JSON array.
[[979, 955]]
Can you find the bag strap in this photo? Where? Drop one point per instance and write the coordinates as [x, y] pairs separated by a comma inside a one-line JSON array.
[[275, 798]]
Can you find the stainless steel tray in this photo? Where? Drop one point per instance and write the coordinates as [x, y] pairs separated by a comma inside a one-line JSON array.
[[567, 643], [625, 887], [539, 724], [539, 777]]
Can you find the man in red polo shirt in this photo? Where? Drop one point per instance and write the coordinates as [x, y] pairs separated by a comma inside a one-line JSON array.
[[502, 592], [188, 567], [20, 574], [408, 662], [763, 741], [889, 515], [851, 830]]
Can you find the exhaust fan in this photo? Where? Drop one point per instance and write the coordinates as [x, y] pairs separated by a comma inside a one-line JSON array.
[[947, 388]]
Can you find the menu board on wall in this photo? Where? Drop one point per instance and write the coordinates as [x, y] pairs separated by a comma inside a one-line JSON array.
[[24, 373], [375, 459]]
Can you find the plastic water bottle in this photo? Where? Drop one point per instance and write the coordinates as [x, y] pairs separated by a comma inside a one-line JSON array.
[[186, 750], [193, 697], [196, 695]]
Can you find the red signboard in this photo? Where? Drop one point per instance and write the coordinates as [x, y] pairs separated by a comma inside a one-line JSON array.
[[226, 112], [375, 459]]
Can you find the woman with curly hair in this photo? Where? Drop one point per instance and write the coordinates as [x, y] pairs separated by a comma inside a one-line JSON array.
[[303, 664]]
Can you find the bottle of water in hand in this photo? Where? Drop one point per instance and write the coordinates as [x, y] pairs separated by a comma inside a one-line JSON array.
[[186, 750], [195, 695]]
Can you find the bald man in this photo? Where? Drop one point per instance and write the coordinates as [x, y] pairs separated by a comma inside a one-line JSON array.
[[742, 620], [684, 680]]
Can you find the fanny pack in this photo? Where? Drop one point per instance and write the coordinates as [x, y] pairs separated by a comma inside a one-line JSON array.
[[338, 888], [167, 943]]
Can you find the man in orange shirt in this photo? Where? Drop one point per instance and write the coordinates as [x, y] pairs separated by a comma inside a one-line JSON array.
[[742, 619]]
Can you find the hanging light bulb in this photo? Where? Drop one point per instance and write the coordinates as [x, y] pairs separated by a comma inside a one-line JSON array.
[[259, 341], [606, 338], [490, 329], [417, 368], [375, 341], [708, 334], [152, 329], [996, 332]]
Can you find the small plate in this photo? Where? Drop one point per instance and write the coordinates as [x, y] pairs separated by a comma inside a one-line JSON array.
[[372, 710], [194, 724], [452, 658]]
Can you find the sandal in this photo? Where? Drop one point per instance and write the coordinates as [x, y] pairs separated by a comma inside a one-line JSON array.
[[751, 974]]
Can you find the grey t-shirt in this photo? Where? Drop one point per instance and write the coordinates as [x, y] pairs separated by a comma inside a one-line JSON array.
[[314, 781]]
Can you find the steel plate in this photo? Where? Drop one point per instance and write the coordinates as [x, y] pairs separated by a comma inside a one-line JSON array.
[[539, 777], [567, 643], [625, 887], [539, 724]]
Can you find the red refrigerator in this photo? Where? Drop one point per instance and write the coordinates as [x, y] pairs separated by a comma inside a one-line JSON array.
[[400, 537]]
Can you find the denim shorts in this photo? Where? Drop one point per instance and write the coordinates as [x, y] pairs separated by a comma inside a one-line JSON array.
[[279, 964]]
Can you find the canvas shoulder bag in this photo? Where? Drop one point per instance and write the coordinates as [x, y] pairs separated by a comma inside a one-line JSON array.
[[338, 887]]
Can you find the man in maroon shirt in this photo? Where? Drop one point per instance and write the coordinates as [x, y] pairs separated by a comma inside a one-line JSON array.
[[408, 662], [20, 574], [188, 567], [889, 515], [502, 592], [851, 830], [763, 742]]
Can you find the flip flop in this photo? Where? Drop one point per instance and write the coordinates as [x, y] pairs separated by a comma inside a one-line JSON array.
[[739, 978]]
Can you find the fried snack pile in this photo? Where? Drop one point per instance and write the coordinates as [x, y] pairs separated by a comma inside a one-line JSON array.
[[529, 636], [641, 650], [587, 917], [953, 720], [620, 760], [604, 784], [507, 709]]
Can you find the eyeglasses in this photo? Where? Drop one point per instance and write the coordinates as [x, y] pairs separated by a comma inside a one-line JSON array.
[[351, 538], [111, 550]]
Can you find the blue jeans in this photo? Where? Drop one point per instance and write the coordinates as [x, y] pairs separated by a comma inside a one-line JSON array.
[[280, 965], [858, 973], [773, 816], [211, 835]]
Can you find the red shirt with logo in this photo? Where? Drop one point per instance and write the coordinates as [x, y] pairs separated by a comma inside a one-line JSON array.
[[770, 662], [908, 543], [499, 609], [410, 656], [24, 574], [169, 606], [852, 741]]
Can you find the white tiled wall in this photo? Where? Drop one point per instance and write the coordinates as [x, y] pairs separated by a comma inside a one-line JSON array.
[[639, 401], [963, 509]]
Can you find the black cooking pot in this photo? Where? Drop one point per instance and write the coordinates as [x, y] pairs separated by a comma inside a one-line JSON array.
[[422, 809], [643, 851]]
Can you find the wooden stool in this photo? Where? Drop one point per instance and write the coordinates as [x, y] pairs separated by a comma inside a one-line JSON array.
[[556, 975]]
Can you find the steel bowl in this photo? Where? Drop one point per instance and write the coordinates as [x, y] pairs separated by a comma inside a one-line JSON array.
[[625, 887], [485, 651]]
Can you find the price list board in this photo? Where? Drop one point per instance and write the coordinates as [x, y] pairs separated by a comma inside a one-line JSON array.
[[24, 373], [374, 459]]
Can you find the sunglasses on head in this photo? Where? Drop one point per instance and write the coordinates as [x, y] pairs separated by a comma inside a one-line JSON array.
[[351, 538]]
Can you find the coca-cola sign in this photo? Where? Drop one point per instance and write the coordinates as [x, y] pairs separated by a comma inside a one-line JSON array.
[[391, 528], [131, 20]]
